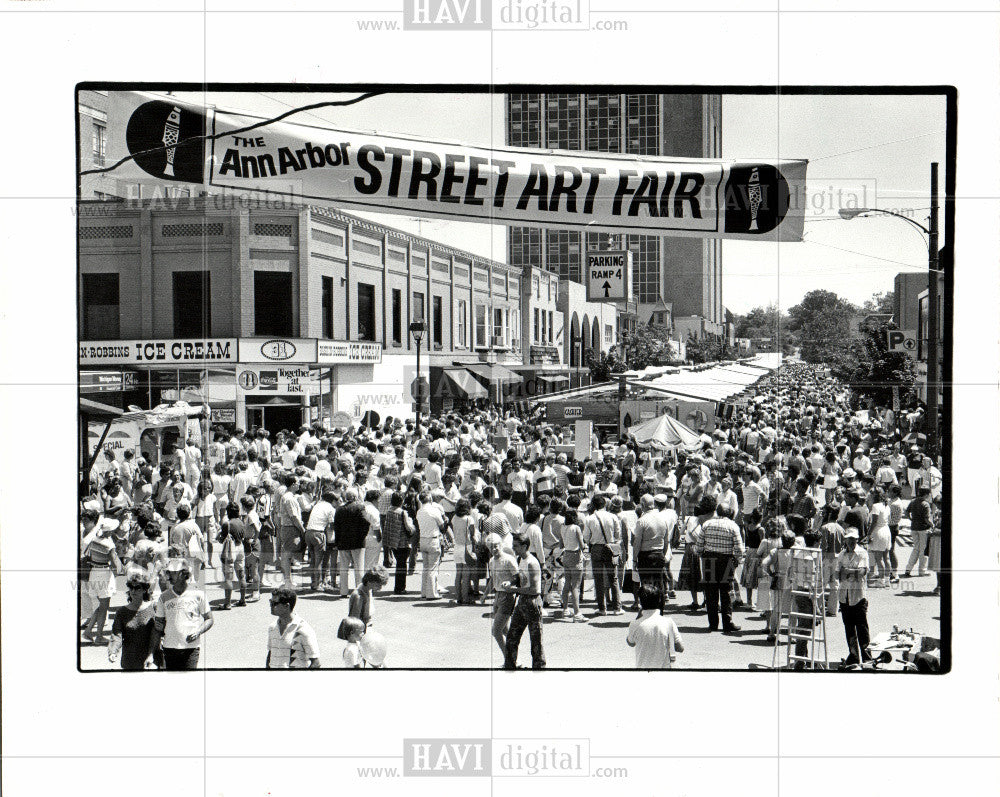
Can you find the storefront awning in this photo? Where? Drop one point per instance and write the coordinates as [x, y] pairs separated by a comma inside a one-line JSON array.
[[97, 410], [458, 383], [494, 373], [552, 379]]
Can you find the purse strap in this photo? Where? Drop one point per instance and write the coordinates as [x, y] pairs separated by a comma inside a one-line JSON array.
[[604, 534]]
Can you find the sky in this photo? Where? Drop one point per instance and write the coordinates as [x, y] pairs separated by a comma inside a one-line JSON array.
[[863, 151]]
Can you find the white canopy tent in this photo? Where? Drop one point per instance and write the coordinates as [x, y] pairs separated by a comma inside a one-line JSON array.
[[664, 432]]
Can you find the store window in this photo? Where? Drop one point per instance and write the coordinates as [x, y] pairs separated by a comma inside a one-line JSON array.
[[192, 304], [272, 304], [100, 311], [366, 311]]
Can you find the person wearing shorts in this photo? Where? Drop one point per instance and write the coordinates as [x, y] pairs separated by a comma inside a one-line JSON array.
[[181, 616]]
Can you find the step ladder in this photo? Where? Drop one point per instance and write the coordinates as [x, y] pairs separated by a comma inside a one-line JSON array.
[[805, 574]]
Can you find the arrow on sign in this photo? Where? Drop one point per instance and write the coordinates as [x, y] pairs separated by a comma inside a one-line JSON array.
[[607, 289]]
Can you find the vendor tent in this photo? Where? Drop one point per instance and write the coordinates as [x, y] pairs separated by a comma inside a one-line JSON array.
[[166, 414], [664, 432]]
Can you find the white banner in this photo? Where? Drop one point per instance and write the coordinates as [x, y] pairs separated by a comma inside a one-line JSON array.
[[157, 352], [703, 198]]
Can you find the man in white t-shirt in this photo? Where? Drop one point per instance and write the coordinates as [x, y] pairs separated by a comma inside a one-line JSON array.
[[263, 445], [862, 464], [655, 636], [291, 641], [515, 517], [319, 539], [192, 464], [181, 616]]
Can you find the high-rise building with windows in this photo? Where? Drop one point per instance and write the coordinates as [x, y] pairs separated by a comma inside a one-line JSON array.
[[684, 271]]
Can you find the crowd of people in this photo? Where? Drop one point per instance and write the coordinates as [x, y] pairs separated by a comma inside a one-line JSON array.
[[525, 524]]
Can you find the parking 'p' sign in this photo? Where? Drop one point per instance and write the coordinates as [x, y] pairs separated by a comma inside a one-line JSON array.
[[904, 340]]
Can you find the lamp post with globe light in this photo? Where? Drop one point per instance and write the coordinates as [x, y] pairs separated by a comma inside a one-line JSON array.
[[933, 319]]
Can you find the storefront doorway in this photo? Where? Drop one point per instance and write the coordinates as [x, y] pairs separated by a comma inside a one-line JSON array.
[[275, 415]]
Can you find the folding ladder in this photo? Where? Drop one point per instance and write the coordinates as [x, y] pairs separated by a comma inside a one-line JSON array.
[[805, 578]]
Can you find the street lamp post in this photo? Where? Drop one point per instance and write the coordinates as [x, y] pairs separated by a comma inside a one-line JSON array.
[[417, 329], [933, 320], [491, 360]]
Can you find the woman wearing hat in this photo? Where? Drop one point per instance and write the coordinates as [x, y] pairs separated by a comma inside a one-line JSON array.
[[104, 565]]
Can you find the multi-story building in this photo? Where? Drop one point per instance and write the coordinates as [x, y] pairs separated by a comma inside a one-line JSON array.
[[684, 271], [906, 288], [911, 308], [302, 312], [334, 294], [331, 294], [542, 332], [92, 117], [590, 328]]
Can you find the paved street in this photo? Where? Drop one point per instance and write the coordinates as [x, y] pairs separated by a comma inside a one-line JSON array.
[[435, 634]]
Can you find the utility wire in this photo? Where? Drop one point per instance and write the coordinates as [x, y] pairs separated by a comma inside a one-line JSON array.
[[247, 129]]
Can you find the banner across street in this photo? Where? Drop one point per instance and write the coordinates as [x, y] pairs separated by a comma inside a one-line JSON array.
[[701, 198]]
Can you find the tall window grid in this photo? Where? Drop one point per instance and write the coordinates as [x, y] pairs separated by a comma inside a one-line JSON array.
[[525, 246], [642, 132], [524, 112], [562, 121], [646, 262], [563, 253], [604, 123]]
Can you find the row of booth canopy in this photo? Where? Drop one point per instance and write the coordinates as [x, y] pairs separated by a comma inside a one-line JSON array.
[[715, 383], [697, 397]]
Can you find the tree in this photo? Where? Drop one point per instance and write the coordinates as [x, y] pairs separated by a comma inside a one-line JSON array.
[[766, 327], [880, 303], [872, 370], [646, 346], [708, 350], [603, 365], [821, 325]]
